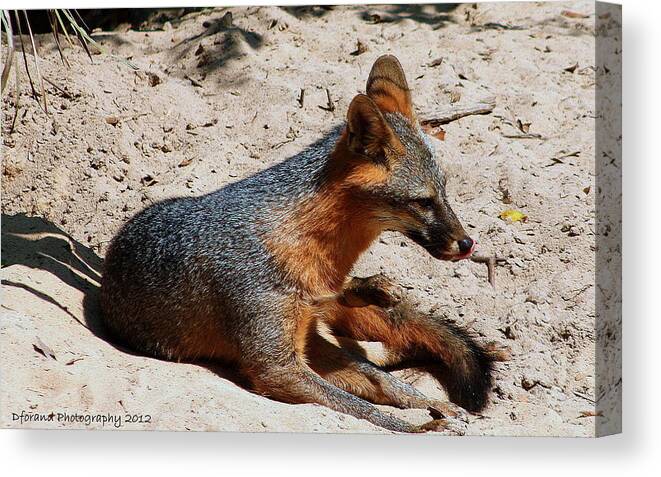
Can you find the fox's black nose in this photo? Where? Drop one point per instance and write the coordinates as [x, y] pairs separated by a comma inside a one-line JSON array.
[[465, 245]]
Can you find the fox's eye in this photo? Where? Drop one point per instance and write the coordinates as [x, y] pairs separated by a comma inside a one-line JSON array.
[[424, 202]]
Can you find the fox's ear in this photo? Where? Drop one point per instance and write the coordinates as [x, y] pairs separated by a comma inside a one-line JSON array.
[[368, 132], [387, 87]]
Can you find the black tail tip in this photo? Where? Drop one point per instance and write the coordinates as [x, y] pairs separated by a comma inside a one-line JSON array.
[[471, 389], [468, 380]]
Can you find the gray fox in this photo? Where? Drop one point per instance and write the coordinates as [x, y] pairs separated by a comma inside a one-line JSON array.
[[256, 273]]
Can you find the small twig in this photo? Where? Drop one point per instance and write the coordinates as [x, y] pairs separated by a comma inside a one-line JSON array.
[[72, 361], [301, 98], [83, 43], [40, 78], [194, 82], [491, 266], [25, 58], [444, 116], [282, 143], [523, 136], [64, 28], [82, 21], [56, 36], [17, 98], [9, 59], [330, 107], [584, 396]]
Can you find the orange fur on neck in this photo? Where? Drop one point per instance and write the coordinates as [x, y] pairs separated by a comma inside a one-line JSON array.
[[319, 244]]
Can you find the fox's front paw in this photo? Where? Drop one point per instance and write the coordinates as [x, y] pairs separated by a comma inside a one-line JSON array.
[[450, 427], [447, 418], [444, 409], [376, 290]]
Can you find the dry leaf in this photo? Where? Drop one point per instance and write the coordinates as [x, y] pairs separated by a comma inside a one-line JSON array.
[[375, 17], [42, 348], [570, 154], [455, 96], [154, 79], [513, 216], [591, 414], [523, 127], [502, 187], [570, 14], [437, 132], [186, 162], [586, 190], [436, 62], [148, 180], [360, 48], [440, 134]]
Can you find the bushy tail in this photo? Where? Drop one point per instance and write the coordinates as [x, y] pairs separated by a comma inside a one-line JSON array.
[[411, 338], [449, 353], [466, 371]]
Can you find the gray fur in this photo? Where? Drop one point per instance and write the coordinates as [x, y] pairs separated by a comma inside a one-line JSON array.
[[182, 254]]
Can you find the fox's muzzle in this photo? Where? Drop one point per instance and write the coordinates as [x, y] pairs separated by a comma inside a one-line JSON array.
[[444, 243]]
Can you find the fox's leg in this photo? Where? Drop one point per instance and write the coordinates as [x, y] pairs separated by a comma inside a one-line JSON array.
[[275, 364], [379, 290], [362, 378], [461, 364], [376, 352], [376, 290]]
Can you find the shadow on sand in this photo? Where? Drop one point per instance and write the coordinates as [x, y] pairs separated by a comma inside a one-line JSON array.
[[36, 243]]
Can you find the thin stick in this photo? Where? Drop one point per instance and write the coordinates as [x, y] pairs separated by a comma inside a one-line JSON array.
[[36, 62], [17, 100], [64, 28], [25, 57], [6, 23], [74, 26], [82, 41], [491, 266], [330, 107], [82, 21], [523, 136], [444, 116], [56, 35], [59, 88]]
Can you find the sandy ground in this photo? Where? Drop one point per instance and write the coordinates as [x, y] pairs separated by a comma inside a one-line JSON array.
[[213, 102]]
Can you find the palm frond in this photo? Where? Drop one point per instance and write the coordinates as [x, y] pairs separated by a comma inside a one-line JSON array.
[[25, 56], [36, 62], [83, 33], [63, 22], [9, 58]]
